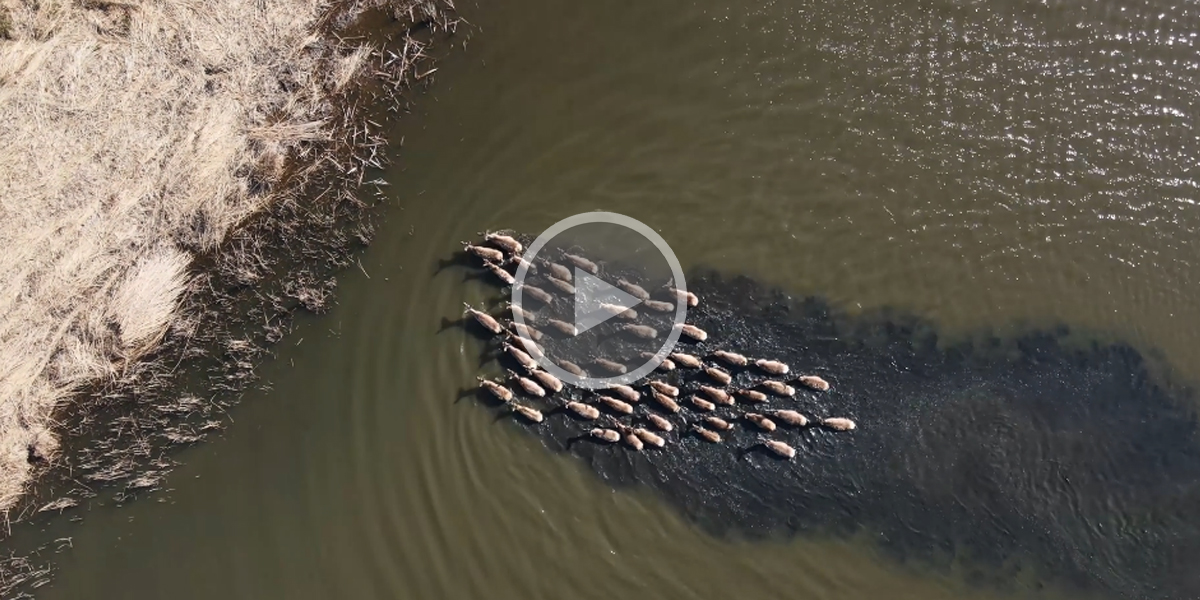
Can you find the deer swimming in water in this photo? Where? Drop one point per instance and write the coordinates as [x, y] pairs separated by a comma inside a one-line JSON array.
[[547, 380], [773, 367], [487, 321], [628, 435], [621, 312], [751, 395], [487, 254], [525, 331], [562, 286], [790, 417], [535, 349], [718, 423], [762, 422], [506, 243], [585, 411], [633, 289], [528, 316], [668, 403], [731, 358], [499, 391], [686, 360], [692, 332], [627, 393], [633, 441], [718, 375], [520, 261], [610, 366], [582, 263], [571, 367], [779, 448], [559, 271], [564, 327], [659, 423], [532, 414], [682, 296], [644, 332], [650, 437], [500, 273], [530, 386], [537, 293], [521, 357], [658, 305], [814, 382], [839, 424], [706, 435], [778, 388], [717, 395], [664, 388], [615, 405], [605, 435]]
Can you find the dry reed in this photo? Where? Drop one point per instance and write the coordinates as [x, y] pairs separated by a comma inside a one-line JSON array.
[[134, 137]]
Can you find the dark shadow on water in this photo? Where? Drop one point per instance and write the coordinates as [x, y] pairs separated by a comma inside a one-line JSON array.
[[448, 324], [587, 440], [483, 276], [480, 396], [469, 324], [1036, 449], [748, 455], [459, 259]]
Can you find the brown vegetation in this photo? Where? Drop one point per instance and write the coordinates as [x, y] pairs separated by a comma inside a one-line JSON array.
[[135, 138]]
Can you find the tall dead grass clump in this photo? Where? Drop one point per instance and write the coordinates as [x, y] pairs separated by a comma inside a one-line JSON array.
[[134, 136], [144, 303]]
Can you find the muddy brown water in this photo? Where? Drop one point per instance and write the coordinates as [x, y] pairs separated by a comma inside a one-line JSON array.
[[992, 166]]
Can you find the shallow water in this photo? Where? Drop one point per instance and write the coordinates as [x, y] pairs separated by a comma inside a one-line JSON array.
[[985, 166]]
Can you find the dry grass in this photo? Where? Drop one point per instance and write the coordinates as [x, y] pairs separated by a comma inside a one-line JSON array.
[[134, 136]]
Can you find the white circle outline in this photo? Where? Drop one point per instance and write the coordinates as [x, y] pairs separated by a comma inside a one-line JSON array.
[[596, 383]]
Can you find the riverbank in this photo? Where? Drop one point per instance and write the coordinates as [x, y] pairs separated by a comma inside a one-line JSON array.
[[150, 153]]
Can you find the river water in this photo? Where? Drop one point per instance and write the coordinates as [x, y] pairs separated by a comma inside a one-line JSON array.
[[986, 166]]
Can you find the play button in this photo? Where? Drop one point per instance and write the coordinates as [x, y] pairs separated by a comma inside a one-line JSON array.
[[596, 301]]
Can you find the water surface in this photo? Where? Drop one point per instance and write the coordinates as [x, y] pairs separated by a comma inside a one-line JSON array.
[[986, 166]]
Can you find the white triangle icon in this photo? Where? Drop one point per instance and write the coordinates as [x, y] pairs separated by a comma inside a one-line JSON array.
[[596, 301]]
